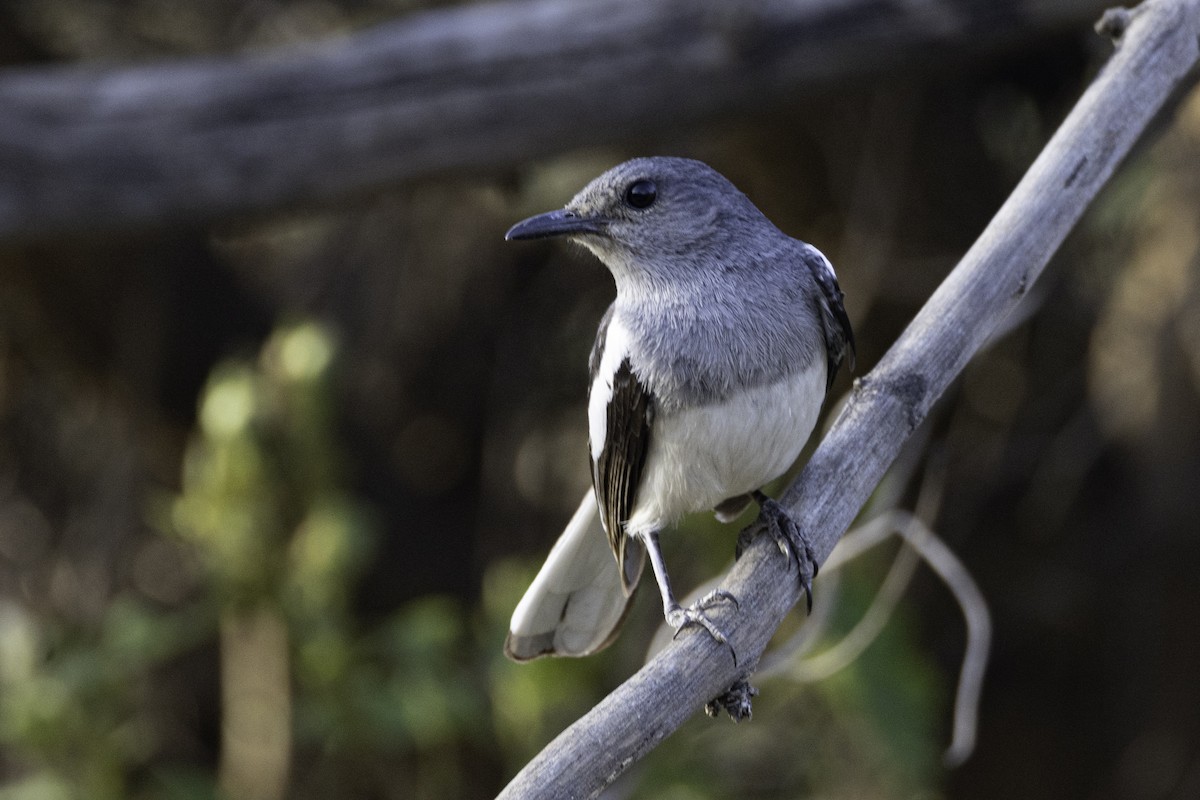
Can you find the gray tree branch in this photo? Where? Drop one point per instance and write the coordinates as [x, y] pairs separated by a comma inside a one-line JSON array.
[[480, 85], [1157, 46]]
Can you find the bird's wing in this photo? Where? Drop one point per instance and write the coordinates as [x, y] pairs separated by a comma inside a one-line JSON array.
[[839, 338], [597, 353], [617, 459]]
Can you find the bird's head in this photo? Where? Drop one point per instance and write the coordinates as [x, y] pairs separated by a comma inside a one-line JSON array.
[[655, 218]]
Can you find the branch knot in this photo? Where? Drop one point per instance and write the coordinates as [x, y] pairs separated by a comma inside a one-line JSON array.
[[1113, 24]]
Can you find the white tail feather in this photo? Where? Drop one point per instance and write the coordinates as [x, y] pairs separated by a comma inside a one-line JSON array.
[[575, 604]]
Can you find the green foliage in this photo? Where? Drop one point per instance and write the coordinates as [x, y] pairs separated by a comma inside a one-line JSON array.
[[261, 499], [264, 508], [890, 696], [74, 703]]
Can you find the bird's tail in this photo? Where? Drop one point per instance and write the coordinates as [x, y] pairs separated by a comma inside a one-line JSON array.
[[576, 604]]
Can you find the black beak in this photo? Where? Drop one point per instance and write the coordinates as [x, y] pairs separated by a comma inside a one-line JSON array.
[[555, 223]]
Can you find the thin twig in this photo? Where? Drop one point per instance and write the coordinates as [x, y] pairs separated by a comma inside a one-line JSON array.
[[957, 578], [852, 545], [879, 613]]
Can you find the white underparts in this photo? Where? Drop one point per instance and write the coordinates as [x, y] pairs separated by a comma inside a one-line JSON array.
[[702, 455]]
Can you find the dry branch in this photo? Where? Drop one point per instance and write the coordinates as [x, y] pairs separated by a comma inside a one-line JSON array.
[[486, 85], [1158, 45]]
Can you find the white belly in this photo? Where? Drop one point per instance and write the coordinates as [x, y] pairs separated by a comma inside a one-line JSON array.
[[701, 456]]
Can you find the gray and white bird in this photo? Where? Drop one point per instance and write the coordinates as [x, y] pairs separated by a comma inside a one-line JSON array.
[[707, 376]]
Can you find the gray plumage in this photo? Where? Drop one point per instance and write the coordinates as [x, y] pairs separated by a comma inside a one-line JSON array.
[[707, 375]]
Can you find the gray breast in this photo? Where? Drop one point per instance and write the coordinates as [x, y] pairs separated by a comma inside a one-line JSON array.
[[689, 353]]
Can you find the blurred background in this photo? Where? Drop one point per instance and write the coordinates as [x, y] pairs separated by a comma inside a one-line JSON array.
[[272, 482]]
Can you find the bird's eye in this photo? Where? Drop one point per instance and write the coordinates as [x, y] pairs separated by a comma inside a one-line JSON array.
[[641, 194]]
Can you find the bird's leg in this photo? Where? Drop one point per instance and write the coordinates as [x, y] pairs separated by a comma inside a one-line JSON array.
[[792, 540], [676, 615]]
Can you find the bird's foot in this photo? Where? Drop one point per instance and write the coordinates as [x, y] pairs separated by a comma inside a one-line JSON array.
[[793, 542], [679, 617], [717, 596], [736, 700]]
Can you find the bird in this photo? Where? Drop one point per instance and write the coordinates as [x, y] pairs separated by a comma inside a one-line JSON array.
[[708, 373]]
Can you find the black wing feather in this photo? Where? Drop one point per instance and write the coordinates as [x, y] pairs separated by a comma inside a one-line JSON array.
[[598, 346], [617, 472], [839, 337]]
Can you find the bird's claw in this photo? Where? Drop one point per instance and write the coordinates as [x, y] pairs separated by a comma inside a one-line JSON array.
[[736, 700], [680, 617], [793, 543], [718, 596]]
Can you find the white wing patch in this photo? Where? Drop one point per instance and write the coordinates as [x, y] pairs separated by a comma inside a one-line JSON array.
[[823, 263], [616, 348]]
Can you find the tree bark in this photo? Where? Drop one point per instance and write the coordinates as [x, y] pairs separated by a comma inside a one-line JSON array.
[[477, 86], [1157, 47]]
